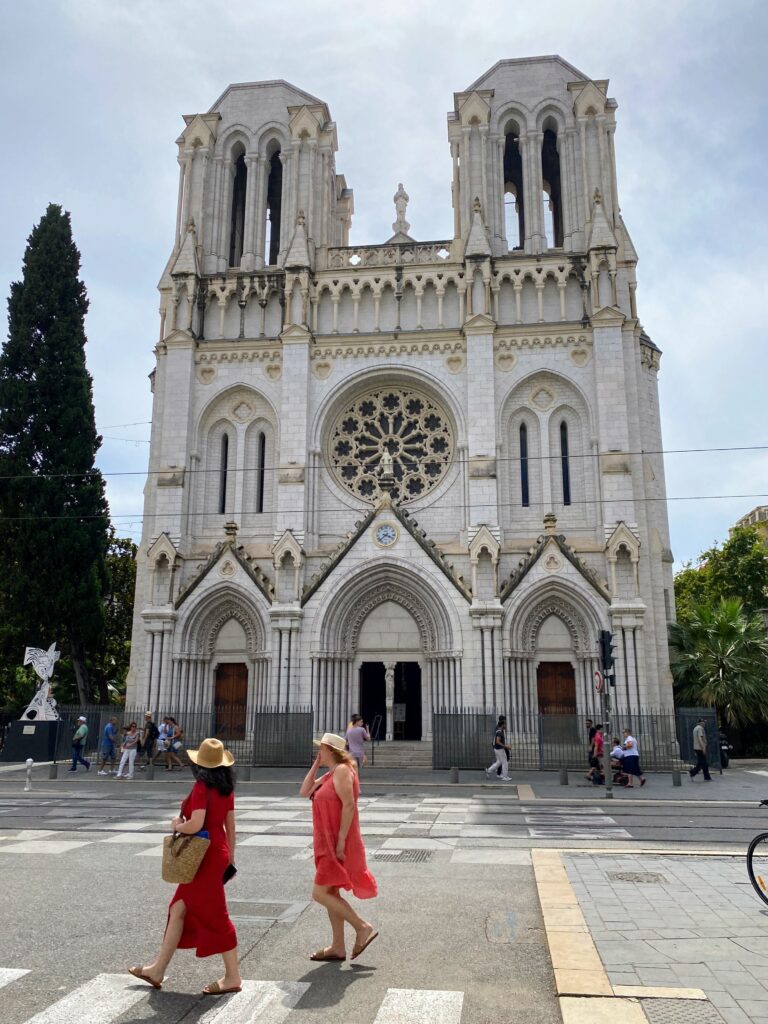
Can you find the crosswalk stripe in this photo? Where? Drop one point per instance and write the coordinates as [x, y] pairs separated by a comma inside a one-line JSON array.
[[9, 974], [401, 1005], [260, 1002], [99, 1001]]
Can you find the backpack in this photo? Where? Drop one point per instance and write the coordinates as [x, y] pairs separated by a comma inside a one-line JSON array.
[[154, 732]]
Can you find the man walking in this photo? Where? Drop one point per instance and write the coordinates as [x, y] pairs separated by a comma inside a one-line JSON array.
[[700, 750], [501, 751], [108, 747], [148, 740], [79, 737]]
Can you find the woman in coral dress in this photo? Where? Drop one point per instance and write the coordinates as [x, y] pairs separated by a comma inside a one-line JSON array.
[[339, 850], [197, 916]]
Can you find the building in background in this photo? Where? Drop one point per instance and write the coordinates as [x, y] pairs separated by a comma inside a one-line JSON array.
[[758, 518], [404, 475]]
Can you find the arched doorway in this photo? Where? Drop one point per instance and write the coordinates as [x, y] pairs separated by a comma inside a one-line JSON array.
[[555, 674]]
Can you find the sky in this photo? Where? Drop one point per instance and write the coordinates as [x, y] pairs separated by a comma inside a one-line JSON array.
[[93, 92]]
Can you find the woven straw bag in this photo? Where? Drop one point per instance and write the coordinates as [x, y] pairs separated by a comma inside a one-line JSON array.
[[182, 856]]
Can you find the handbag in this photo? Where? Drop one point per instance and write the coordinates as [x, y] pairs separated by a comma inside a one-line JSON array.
[[182, 856]]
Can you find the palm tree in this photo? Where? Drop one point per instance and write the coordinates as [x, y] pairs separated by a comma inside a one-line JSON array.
[[720, 659]]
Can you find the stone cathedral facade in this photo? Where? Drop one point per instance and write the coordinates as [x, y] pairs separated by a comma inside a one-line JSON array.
[[413, 474]]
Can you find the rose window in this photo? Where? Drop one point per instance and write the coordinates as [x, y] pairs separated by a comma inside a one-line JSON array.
[[412, 428]]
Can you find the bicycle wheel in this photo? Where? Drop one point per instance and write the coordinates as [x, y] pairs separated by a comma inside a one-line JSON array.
[[757, 865]]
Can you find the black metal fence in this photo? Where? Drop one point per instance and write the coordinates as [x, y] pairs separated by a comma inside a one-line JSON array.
[[463, 738], [263, 736]]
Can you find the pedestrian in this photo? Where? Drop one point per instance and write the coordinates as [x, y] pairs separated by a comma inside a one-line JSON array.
[[591, 730], [631, 760], [174, 746], [700, 750], [500, 750], [164, 732], [129, 749], [595, 774], [108, 747], [79, 737], [148, 740], [197, 915], [338, 846], [356, 736]]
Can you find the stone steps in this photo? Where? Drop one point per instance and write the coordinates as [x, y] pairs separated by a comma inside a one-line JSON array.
[[401, 755]]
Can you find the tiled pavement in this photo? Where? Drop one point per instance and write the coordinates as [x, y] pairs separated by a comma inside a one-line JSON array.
[[685, 922]]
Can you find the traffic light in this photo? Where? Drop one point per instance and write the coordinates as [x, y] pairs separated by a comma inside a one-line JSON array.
[[605, 641]]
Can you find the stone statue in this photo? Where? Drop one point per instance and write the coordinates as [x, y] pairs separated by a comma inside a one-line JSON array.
[[385, 464], [389, 682], [400, 199], [42, 707]]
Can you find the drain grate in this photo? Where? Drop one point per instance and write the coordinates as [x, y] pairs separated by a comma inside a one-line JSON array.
[[245, 911], [680, 1011], [644, 877], [421, 856]]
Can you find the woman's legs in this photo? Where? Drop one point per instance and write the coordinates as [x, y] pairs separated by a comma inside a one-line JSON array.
[[123, 763], [337, 907], [131, 761], [156, 970]]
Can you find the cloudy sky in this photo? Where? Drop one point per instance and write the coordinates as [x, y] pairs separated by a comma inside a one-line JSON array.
[[93, 93]]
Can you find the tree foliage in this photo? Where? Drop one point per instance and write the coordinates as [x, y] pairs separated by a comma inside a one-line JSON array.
[[738, 569], [53, 510], [719, 658]]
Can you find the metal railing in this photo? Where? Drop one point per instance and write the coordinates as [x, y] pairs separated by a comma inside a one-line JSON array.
[[262, 736], [463, 738]]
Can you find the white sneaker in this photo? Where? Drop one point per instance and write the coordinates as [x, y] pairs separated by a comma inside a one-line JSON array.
[[102, 773]]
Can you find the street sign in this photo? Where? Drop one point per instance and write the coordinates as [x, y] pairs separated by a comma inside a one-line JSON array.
[[599, 682]]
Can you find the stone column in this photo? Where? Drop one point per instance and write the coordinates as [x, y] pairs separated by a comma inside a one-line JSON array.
[[389, 682], [481, 432]]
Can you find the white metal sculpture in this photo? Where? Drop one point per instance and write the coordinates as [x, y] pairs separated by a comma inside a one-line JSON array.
[[42, 707]]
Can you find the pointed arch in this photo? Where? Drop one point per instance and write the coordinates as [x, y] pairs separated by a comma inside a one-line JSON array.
[[205, 620]]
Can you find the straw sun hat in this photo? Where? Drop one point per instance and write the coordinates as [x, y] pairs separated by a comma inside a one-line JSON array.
[[330, 739], [211, 754]]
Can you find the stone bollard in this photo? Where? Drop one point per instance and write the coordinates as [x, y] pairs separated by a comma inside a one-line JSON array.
[[563, 776], [245, 773], [150, 774], [676, 780], [454, 776], [53, 771], [28, 784]]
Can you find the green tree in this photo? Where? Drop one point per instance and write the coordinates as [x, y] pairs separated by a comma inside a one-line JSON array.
[[53, 511], [719, 658], [737, 569], [111, 662]]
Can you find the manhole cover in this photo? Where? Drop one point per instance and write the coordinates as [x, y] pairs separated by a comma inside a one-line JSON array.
[[680, 1011], [406, 855], [264, 910], [644, 877]]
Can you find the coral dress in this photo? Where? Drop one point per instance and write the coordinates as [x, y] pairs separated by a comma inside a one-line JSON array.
[[207, 927], [326, 821]]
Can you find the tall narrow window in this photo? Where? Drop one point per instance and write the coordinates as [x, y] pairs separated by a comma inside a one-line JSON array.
[[274, 196], [564, 463], [513, 183], [237, 220], [524, 465], [223, 466], [261, 470], [552, 197], [511, 219]]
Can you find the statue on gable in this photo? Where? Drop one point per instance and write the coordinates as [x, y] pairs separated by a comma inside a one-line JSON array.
[[42, 707], [400, 199]]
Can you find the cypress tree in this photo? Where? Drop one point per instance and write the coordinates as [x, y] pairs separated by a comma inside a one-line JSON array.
[[54, 518]]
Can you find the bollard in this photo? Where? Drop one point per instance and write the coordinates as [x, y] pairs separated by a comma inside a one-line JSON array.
[[150, 772], [245, 773], [676, 780], [28, 784], [454, 777], [563, 776], [53, 771]]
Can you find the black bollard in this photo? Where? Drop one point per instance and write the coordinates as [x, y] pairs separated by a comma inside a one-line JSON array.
[[53, 771], [563, 776], [676, 780], [150, 773], [454, 777]]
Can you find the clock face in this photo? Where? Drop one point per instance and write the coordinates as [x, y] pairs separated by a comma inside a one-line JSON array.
[[386, 534]]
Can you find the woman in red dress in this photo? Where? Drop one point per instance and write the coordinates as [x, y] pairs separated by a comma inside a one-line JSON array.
[[197, 916], [339, 851]]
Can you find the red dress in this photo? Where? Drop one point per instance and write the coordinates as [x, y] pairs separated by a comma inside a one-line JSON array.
[[353, 873], [207, 927]]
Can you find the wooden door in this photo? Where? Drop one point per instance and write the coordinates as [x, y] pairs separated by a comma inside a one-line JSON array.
[[231, 700], [556, 686]]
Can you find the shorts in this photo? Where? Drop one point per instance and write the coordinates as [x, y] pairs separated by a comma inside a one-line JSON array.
[[149, 748], [108, 751], [594, 762]]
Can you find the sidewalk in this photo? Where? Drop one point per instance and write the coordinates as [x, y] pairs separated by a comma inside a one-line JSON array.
[[743, 782]]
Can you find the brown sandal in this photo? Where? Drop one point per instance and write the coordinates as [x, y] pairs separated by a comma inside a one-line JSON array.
[[324, 957], [356, 951], [214, 989], [138, 972]]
